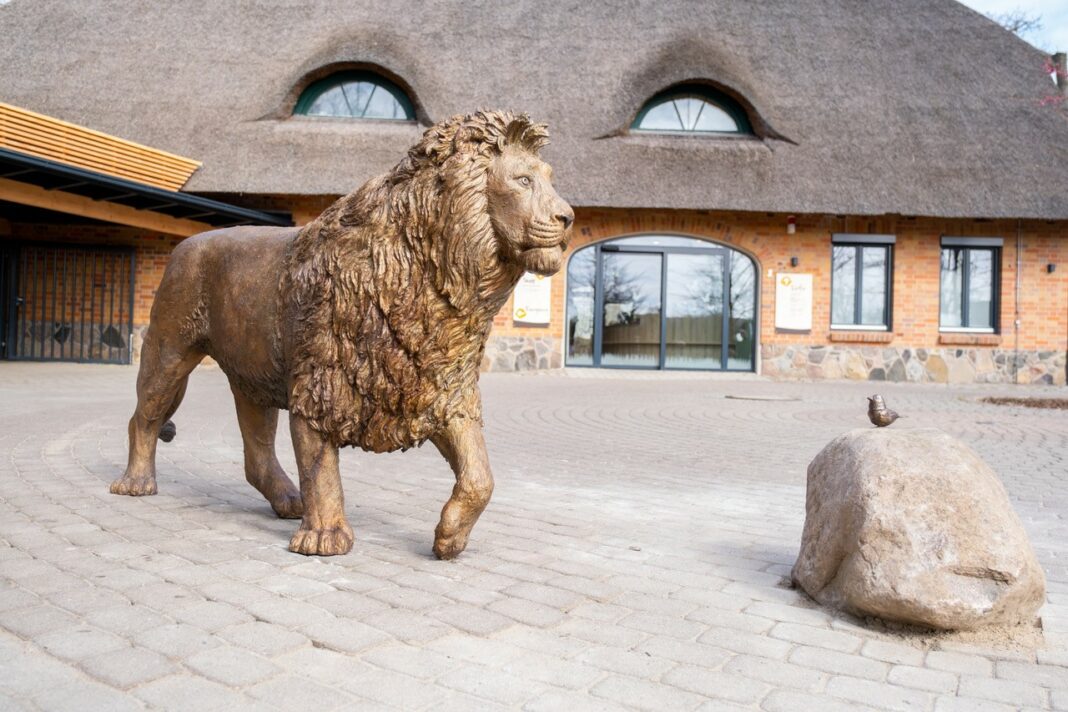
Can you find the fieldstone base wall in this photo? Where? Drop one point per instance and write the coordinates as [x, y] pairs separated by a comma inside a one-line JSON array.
[[935, 365], [519, 353], [137, 341]]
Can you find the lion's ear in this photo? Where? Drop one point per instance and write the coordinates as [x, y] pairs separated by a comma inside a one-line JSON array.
[[441, 147], [439, 141], [522, 132]]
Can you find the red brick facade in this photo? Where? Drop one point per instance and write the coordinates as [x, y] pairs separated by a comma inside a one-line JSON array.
[[1029, 345], [1041, 335]]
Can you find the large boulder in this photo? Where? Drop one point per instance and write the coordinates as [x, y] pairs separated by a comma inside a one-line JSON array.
[[912, 526]]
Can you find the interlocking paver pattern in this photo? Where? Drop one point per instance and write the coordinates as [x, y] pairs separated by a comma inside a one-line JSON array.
[[634, 556]]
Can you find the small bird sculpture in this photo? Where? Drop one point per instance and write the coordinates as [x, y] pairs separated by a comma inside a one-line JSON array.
[[878, 413]]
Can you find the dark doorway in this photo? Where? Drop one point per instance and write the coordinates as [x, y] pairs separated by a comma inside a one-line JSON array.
[[67, 303], [7, 295]]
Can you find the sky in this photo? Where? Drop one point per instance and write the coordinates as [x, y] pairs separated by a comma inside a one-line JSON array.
[[1053, 35]]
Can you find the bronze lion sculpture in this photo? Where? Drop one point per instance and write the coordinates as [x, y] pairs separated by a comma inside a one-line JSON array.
[[368, 324]]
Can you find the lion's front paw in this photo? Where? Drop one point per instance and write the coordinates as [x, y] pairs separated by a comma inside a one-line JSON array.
[[322, 542], [449, 547], [134, 486]]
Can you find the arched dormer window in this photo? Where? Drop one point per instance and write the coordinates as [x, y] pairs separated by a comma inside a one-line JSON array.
[[356, 95], [693, 109]]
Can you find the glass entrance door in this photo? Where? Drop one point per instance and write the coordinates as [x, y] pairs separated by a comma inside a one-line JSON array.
[[695, 296], [661, 301]]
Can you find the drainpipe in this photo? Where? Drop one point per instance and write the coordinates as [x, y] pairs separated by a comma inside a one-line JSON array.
[[1016, 319], [1060, 67], [1016, 304]]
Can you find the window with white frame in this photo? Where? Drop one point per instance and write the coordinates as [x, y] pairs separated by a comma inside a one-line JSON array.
[[968, 283], [861, 281]]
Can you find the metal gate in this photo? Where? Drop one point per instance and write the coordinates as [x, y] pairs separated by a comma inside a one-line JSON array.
[[66, 303]]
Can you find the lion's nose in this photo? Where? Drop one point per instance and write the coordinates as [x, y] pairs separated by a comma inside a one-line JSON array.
[[566, 218]]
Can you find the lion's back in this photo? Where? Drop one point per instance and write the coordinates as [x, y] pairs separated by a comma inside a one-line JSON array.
[[221, 292]]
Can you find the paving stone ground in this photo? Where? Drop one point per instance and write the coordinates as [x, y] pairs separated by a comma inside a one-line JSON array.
[[633, 556]]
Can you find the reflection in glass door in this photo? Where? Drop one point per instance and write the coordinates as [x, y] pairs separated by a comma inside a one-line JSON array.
[[581, 293], [741, 311], [694, 335], [631, 312]]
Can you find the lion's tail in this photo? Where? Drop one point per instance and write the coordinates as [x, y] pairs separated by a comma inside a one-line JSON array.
[[168, 431]]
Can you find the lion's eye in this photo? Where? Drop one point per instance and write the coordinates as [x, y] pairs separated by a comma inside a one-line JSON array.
[[524, 181]]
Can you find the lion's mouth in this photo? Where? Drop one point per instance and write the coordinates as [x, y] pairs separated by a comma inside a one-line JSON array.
[[542, 235]]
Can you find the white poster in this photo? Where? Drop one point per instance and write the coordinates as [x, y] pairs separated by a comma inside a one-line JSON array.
[[532, 299], [793, 301]]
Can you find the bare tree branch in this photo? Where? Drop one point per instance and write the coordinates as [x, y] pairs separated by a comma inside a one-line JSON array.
[[1017, 21]]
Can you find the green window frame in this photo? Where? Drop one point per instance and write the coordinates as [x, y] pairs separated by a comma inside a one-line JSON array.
[[692, 109], [356, 95]]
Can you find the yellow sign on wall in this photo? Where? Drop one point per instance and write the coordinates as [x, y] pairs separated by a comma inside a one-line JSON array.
[[532, 299], [793, 302]]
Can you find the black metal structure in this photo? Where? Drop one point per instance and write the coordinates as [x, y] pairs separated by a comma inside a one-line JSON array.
[[67, 303], [90, 184], [8, 260]]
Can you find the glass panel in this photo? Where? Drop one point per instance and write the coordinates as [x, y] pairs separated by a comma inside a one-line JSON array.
[[358, 99], [688, 113], [383, 105], [742, 327], [844, 281], [662, 117], [580, 294], [713, 118], [631, 334], [981, 289], [663, 241], [688, 108], [873, 286], [359, 94], [695, 310], [331, 102], [951, 286]]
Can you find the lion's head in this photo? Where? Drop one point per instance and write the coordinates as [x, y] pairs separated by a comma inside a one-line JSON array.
[[498, 213], [531, 222]]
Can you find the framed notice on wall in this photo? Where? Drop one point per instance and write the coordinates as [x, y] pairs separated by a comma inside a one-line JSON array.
[[793, 301], [532, 299]]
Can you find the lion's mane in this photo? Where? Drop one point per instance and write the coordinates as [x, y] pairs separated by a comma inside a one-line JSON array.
[[389, 295]]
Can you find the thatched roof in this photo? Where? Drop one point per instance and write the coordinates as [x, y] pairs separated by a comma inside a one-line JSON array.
[[917, 107]]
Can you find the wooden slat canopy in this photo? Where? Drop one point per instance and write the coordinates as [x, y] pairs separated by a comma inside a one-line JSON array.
[[43, 183], [56, 140]]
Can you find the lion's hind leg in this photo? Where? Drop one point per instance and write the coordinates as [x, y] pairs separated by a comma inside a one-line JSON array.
[[161, 382], [259, 425]]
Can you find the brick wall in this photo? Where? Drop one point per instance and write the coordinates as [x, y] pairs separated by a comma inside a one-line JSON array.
[[1033, 351], [914, 349]]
